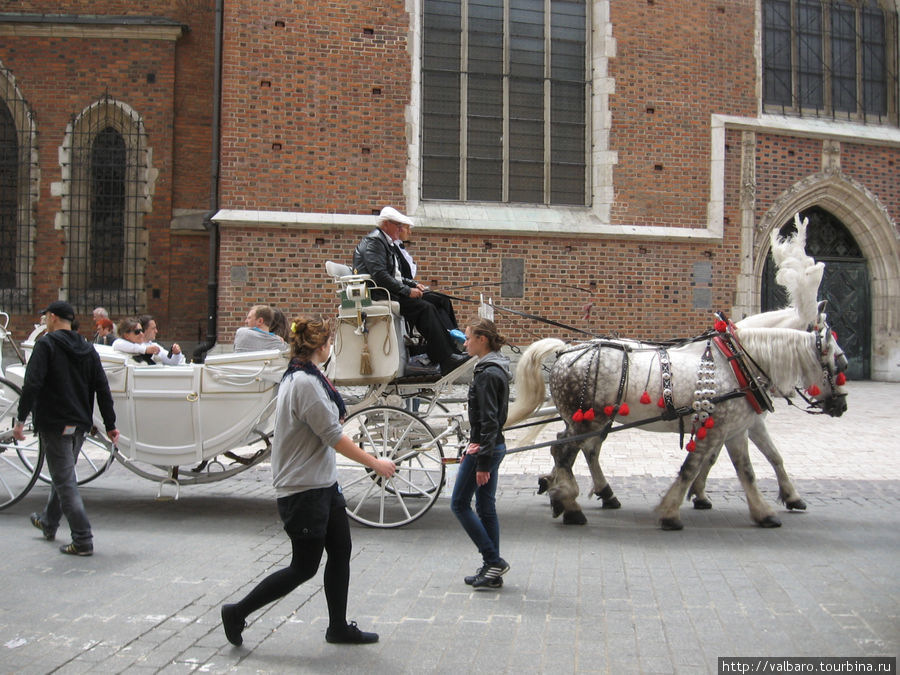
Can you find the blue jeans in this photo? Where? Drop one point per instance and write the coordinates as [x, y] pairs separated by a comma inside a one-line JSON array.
[[61, 453], [483, 529]]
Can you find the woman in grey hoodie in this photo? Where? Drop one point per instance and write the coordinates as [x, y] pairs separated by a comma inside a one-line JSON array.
[[488, 401], [308, 431]]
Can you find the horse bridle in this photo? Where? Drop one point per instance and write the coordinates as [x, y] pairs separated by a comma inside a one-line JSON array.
[[826, 405]]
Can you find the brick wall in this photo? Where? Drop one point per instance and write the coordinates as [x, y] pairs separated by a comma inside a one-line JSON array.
[[314, 105], [170, 85]]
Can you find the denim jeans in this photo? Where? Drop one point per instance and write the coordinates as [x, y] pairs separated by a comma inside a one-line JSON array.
[[483, 529], [61, 453]]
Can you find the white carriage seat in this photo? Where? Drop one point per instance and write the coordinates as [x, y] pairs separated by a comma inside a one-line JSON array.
[[369, 345], [256, 370], [115, 366], [343, 276]]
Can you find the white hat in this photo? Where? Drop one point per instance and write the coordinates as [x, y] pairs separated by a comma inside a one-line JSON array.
[[392, 214]]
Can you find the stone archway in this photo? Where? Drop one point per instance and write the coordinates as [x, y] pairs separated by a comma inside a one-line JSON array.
[[877, 236]]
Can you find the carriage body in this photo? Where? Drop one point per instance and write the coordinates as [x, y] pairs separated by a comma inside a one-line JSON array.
[[178, 415]]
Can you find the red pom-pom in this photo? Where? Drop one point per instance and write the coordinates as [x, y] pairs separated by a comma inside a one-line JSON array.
[[588, 414], [608, 410], [624, 409], [709, 424], [661, 402], [701, 433], [577, 416], [691, 446], [840, 380], [645, 398], [720, 326], [814, 390], [834, 335]]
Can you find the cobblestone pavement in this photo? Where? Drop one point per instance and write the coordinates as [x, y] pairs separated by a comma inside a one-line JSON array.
[[617, 595]]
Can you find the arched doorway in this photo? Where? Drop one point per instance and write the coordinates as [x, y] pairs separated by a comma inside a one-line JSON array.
[[845, 285]]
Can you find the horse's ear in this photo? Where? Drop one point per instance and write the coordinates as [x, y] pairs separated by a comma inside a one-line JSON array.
[[821, 307]]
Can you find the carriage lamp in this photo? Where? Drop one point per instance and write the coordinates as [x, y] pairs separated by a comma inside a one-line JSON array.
[[356, 292]]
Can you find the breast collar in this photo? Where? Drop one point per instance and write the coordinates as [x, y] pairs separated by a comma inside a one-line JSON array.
[[728, 344]]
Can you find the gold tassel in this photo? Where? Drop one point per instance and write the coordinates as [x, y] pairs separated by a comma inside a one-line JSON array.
[[365, 359]]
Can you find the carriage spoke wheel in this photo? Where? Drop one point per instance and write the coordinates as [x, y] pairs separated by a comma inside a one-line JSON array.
[[411, 444], [95, 457], [20, 461]]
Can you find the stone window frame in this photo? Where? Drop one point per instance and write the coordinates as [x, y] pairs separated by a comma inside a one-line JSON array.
[[20, 297], [489, 216], [73, 218]]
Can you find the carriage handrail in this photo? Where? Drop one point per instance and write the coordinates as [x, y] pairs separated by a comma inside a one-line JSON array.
[[232, 375]]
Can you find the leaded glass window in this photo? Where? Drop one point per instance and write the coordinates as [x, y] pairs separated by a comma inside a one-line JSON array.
[[505, 91]]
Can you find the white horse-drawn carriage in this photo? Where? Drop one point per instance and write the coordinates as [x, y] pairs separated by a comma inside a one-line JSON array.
[[202, 422]]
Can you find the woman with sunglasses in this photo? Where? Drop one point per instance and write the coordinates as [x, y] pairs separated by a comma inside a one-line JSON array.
[[131, 341]]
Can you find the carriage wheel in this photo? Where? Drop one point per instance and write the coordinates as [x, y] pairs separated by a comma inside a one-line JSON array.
[[20, 461], [406, 439], [95, 457]]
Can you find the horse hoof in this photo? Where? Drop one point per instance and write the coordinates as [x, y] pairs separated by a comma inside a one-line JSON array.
[[574, 518], [556, 508], [612, 503], [796, 505], [542, 486], [702, 504], [770, 521], [671, 524]]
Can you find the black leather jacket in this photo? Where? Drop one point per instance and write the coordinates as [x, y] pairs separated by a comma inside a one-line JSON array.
[[488, 403], [375, 256]]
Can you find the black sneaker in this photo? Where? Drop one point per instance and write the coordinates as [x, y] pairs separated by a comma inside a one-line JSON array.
[[471, 580], [490, 575], [349, 635], [73, 549], [49, 534], [233, 625]]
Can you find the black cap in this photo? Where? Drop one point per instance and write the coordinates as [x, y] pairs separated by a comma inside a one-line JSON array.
[[62, 309]]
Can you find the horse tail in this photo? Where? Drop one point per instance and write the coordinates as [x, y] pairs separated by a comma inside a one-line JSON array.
[[530, 389]]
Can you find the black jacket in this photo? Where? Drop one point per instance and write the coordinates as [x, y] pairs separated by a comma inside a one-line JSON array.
[[488, 403], [376, 255], [63, 376]]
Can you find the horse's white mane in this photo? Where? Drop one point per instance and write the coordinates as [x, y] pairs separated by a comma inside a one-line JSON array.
[[788, 356], [798, 272]]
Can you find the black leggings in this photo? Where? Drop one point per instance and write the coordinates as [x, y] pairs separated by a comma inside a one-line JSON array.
[[307, 554]]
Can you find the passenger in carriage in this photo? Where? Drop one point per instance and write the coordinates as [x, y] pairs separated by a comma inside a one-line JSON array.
[[174, 356], [308, 432], [132, 342], [105, 334], [257, 334], [101, 313], [377, 256]]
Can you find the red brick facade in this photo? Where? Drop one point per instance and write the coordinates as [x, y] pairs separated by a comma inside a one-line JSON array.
[[320, 126], [168, 82]]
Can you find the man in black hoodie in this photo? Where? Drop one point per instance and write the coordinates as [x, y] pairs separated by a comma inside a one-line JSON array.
[[63, 376]]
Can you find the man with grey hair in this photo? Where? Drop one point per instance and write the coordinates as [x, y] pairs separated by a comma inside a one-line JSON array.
[[376, 256]]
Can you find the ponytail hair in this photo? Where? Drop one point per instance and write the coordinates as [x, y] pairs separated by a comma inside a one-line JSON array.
[[306, 335], [488, 329]]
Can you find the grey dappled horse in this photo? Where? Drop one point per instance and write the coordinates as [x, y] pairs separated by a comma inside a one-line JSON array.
[[591, 376]]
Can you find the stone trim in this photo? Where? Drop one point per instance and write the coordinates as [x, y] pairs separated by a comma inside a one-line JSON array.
[[89, 26]]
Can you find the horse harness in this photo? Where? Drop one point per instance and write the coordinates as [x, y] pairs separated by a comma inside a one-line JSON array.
[[726, 341]]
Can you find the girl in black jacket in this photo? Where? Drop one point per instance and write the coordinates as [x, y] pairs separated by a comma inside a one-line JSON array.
[[488, 401]]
